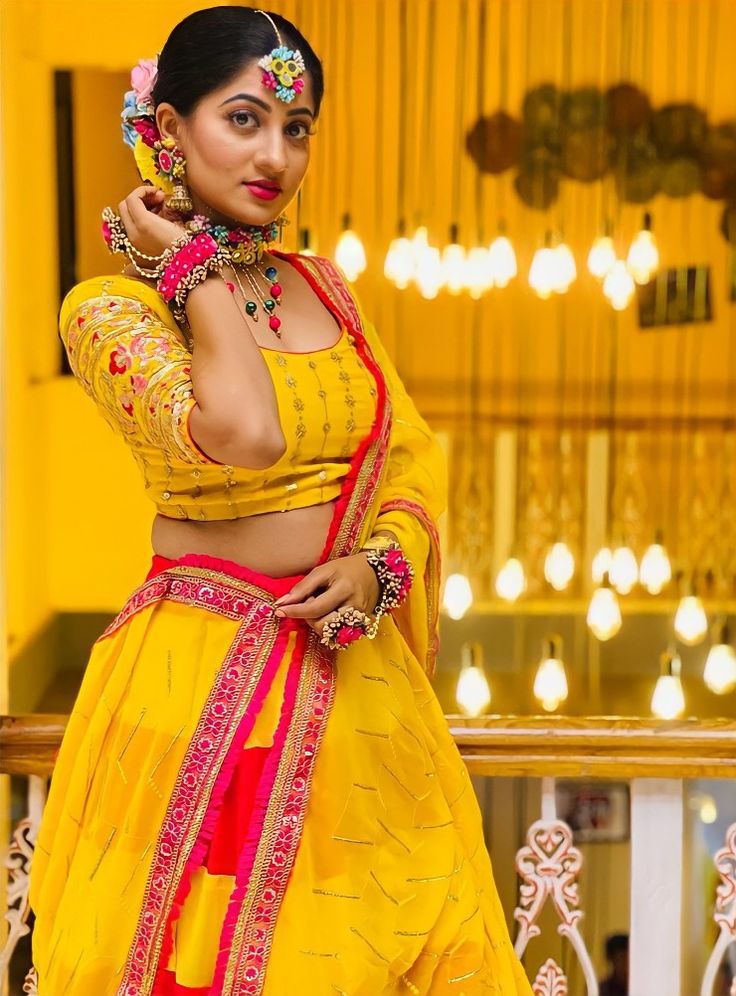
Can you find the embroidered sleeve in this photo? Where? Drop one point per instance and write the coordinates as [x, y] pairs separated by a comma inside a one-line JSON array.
[[136, 370]]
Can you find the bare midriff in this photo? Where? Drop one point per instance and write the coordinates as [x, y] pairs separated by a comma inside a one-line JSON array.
[[275, 543]]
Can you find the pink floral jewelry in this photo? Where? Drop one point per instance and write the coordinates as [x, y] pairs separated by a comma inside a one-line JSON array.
[[281, 67], [395, 576], [394, 573], [348, 625]]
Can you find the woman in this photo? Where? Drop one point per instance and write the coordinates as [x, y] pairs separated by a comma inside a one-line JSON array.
[[257, 791]]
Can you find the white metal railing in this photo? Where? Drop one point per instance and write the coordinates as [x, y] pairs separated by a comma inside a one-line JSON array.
[[653, 756]]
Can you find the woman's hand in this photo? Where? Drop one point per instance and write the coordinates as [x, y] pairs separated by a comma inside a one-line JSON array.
[[149, 224], [344, 581]]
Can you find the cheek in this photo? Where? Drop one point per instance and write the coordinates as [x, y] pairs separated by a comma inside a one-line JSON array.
[[217, 148]]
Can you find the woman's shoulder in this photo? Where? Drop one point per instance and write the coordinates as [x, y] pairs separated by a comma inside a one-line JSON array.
[[114, 285]]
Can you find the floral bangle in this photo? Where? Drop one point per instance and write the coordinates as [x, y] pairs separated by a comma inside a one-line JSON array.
[[394, 572], [348, 625]]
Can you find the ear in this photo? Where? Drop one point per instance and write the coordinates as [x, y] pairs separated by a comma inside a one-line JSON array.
[[168, 122]]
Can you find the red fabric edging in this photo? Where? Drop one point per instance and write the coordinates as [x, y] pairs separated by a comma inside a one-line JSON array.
[[206, 831], [260, 805]]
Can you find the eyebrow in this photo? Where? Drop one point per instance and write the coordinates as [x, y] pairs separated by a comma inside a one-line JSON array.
[[264, 105]]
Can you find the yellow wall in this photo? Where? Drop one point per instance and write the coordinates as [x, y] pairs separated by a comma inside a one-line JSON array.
[[76, 519]]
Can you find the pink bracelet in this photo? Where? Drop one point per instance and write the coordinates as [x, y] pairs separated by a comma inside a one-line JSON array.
[[193, 253]]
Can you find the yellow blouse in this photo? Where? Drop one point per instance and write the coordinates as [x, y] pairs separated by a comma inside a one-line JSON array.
[[129, 355]]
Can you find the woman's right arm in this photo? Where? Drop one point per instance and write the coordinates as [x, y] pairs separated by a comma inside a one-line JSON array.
[[235, 419]]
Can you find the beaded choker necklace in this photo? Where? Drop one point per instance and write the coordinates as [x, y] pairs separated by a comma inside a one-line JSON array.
[[245, 246]]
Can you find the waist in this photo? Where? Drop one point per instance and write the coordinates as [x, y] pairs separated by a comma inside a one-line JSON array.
[[275, 543], [275, 585]]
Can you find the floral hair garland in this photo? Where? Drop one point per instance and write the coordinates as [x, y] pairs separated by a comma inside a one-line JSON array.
[[140, 132]]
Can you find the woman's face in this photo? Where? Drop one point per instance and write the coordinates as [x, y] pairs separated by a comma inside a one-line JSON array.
[[238, 135]]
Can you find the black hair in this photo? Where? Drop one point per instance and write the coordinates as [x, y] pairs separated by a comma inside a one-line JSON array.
[[209, 47], [615, 944]]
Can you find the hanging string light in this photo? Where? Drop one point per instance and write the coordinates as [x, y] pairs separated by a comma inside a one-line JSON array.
[[643, 257], [604, 613], [720, 665], [550, 682], [398, 266], [502, 261], [428, 275], [691, 621], [350, 254], [565, 268], [473, 693], [478, 273], [559, 565], [453, 264], [543, 272], [511, 580], [602, 254], [618, 286], [668, 700], [501, 256], [624, 571], [458, 595], [601, 564], [655, 570]]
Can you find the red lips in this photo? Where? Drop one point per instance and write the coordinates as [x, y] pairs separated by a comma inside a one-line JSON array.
[[265, 190]]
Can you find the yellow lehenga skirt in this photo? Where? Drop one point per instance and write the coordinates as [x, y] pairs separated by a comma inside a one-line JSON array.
[[360, 868]]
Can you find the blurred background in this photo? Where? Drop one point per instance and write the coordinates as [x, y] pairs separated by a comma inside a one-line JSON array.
[[536, 203]]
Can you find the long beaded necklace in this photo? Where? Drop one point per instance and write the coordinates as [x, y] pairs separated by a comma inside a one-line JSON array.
[[246, 245], [268, 304]]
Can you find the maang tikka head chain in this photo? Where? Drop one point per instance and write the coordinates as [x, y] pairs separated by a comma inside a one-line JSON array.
[[281, 67]]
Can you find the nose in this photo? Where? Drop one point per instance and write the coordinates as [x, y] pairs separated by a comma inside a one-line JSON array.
[[271, 154]]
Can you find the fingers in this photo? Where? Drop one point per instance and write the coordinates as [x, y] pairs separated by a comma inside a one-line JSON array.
[[142, 200], [318, 624], [314, 607], [130, 227], [316, 578]]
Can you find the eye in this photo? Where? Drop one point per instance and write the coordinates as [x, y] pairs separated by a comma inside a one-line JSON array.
[[241, 114], [299, 134]]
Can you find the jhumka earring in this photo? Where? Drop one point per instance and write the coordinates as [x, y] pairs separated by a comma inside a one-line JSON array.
[[171, 164]]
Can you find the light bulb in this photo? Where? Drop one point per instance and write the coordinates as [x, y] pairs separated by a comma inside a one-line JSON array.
[[602, 256], [428, 274], [458, 596], [478, 273], [419, 243], [511, 582], [601, 564], [655, 570], [566, 270], [708, 810], [543, 272], [473, 693], [559, 566], [453, 267], [720, 665], [668, 700], [550, 682], [350, 254], [604, 613], [618, 285], [691, 622], [502, 261], [399, 264], [624, 570], [643, 258]]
